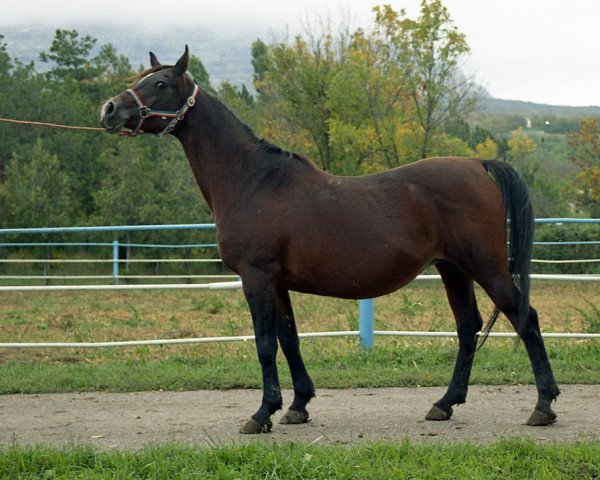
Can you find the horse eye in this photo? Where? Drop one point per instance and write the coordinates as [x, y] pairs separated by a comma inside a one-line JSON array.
[[161, 85]]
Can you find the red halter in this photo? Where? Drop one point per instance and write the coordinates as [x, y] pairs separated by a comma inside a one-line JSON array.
[[147, 112]]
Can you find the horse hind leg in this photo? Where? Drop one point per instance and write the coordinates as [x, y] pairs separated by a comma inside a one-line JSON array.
[[461, 296], [505, 296]]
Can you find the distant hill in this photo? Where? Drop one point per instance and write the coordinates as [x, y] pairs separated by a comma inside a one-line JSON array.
[[499, 106], [503, 116]]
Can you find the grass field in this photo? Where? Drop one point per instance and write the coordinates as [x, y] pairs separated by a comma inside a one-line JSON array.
[[505, 460], [335, 363]]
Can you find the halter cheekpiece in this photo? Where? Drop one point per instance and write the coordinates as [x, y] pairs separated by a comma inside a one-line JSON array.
[[147, 112]]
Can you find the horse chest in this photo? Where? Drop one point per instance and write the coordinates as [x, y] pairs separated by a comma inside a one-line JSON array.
[[241, 247]]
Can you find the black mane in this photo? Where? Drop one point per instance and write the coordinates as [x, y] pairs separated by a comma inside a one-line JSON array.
[[269, 147], [263, 145]]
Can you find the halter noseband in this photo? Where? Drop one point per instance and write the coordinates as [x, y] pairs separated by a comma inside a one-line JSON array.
[[147, 112]]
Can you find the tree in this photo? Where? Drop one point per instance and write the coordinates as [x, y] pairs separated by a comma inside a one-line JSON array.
[[6, 80], [261, 63], [127, 195], [36, 191], [199, 73], [585, 154], [179, 198], [488, 149], [112, 70], [295, 88], [69, 56], [367, 101], [5, 63], [241, 101], [430, 50], [372, 127], [521, 146]]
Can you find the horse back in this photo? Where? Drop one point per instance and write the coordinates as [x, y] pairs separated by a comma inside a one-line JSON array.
[[355, 237]]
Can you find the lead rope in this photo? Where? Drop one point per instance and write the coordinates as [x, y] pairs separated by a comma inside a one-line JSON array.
[[51, 125]]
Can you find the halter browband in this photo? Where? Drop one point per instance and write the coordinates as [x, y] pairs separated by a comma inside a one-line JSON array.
[[147, 112]]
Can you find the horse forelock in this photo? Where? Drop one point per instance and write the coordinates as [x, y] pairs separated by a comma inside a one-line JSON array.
[[136, 79]]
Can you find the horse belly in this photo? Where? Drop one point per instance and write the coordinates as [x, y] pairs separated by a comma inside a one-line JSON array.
[[353, 276]]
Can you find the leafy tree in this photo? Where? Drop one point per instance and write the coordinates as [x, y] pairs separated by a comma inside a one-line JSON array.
[[5, 63], [458, 127], [297, 91], [370, 121], [479, 135], [36, 191], [521, 146], [179, 198], [261, 63], [488, 149], [200, 74], [246, 96], [112, 70], [547, 192], [430, 50], [69, 56], [241, 101], [585, 154], [5, 79], [127, 194]]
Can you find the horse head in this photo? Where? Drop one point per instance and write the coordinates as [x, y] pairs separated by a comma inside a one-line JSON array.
[[158, 101]]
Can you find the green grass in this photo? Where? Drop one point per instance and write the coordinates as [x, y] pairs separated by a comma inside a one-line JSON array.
[[332, 363], [505, 460]]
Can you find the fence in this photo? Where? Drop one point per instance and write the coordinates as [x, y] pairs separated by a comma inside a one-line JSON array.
[[366, 330]]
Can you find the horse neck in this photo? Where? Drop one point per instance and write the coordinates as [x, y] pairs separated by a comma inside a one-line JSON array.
[[221, 150]]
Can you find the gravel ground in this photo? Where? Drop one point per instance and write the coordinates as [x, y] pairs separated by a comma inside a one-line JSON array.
[[132, 420]]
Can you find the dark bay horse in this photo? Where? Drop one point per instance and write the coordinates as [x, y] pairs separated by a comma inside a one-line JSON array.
[[283, 224]]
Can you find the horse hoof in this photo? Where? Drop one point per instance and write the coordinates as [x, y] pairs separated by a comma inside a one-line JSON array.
[[294, 417], [437, 414], [252, 427], [539, 418]]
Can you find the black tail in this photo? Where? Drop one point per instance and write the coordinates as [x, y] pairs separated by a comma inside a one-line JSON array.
[[520, 214]]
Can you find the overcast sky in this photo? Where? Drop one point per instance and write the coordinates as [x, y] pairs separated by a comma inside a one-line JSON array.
[[543, 51]]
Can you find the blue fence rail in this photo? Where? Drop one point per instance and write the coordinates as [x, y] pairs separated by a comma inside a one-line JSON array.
[[366, 306]]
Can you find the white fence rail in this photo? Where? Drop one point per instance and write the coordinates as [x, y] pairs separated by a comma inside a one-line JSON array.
[[366, 331]]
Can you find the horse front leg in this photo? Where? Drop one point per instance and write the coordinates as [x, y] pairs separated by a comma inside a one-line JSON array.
[[287, 333], [260, 295]]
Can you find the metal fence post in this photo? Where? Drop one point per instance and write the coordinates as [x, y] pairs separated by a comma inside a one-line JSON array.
[[116, 261], [366, 314]]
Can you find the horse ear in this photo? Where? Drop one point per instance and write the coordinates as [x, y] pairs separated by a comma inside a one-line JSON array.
[[182, 64], [154, 63]]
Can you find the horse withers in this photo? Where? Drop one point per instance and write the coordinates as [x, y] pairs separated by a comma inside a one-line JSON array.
[[283, 224]]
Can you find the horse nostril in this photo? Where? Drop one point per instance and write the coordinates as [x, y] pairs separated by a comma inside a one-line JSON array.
[[109, 109]]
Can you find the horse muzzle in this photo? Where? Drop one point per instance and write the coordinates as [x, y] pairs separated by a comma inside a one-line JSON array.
[[112, 118]]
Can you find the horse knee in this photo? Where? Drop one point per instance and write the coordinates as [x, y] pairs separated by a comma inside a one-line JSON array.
[[267, 357]]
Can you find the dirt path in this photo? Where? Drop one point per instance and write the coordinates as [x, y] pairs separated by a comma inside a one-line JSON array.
[[131, 420]]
